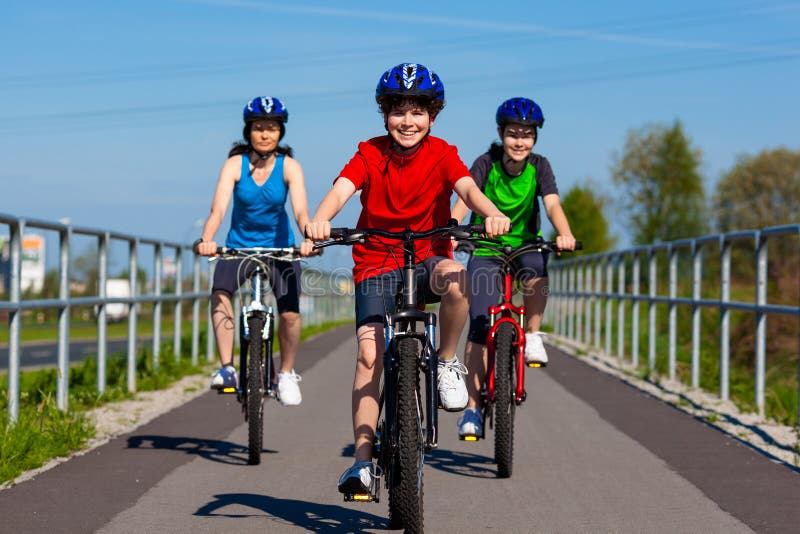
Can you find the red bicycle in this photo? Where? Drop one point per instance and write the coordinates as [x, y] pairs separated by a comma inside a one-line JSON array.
[[504, 388]]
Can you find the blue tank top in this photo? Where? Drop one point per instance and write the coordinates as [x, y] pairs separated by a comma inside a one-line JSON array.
[[259, 217]]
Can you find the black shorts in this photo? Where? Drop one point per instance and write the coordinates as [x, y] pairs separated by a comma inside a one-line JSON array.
[[486, 283], [283, 279], [375, 296]]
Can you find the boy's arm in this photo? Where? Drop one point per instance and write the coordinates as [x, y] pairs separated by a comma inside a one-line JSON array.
[[459, 211], [552, 205], [319, 228], [496, 223]]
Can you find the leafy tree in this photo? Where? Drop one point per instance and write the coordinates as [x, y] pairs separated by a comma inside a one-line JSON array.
[[759, 191], [663, 191], [584, 208]]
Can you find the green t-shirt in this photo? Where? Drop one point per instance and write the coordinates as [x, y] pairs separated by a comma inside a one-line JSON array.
[[514, 196]]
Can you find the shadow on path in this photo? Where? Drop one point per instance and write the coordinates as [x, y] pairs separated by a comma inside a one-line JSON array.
[[312, 516], [462, 463], [210, 449]]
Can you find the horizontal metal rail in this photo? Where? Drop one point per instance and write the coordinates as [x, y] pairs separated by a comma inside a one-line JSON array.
[[318, 306], [579, 285]]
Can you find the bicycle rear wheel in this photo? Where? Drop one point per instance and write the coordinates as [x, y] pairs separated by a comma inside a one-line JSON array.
[[405, 472], [504, 404], [255, 389]]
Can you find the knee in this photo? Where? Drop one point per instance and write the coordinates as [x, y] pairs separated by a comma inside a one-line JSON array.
[[290, 319], [451, 279]]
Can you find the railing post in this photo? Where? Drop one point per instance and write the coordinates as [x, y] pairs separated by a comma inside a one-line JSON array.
[[761, 319], [196, 310], [157, 272], [673, 309], [621, 308], [697, 280], [102, 310], [598, 280], [609, 292], [132, 313], [571, 302], [635, 312], [210, 336], [579, 303], [588, 266], [62, 385], [651, 309], [176, 323], [725, 319], [15, 318]]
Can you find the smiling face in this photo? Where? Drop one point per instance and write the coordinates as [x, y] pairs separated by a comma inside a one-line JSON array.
[[264, 135], [408, 124], [518, 141]]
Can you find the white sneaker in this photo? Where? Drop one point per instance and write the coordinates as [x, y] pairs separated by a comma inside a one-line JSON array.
[[535, 355], [288, 390], [358, 477], [452, 388]]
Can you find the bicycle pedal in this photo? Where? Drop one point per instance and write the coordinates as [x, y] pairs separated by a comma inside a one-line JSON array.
[[227, 391], [374, 494], [536, 365], [469, 437]]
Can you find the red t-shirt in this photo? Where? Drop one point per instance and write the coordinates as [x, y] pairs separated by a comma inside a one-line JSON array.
[[398, 192]]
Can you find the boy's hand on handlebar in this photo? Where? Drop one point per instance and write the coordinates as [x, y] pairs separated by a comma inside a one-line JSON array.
[[318, 230], [307, 248], [497, 225], [565, 242]]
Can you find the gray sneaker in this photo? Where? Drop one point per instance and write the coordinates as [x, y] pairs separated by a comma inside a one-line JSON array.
[[470, 425]]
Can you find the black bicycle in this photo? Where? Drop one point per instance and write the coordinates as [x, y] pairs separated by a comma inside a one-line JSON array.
[[407, 426], [256, 335]]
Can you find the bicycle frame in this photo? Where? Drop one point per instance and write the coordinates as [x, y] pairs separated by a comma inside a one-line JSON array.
[[504, 313]]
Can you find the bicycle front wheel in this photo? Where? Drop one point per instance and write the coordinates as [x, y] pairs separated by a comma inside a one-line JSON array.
[[255, 389], [504, 404], [405, 476]]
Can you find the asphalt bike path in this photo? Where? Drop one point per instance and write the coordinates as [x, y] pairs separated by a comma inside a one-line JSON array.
[[624, 463]]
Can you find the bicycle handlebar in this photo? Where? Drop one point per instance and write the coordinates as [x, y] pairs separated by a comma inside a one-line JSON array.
[[277, 253], [349, 236], [539, 246]]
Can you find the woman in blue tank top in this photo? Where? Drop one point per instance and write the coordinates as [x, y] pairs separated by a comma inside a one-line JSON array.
[[259, 175]]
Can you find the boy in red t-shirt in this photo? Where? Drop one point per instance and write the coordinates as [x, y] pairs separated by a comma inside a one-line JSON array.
[[406, 179]]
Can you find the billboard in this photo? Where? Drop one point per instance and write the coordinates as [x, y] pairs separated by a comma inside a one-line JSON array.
[[33, 262]]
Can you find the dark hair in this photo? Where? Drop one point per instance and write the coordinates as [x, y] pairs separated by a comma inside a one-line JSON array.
[[240, 147], [496, 151], [389, 102]]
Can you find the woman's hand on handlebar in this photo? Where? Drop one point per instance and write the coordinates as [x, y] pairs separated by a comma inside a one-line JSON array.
[[318, 230], [206, 248], [497, 225], [307, 248]]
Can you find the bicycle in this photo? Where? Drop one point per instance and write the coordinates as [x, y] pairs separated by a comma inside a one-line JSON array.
[[400, 439], [256, 334], [504, 388]]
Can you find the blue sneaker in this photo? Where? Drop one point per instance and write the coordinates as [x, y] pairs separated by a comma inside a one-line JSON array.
[[470, 425], [225, 378]]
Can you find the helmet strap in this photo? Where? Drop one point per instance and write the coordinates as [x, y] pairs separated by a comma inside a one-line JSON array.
[[262, 155]]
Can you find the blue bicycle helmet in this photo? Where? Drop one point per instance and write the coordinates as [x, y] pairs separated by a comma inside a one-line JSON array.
[[265, 108], [520, 111], [410, 79]]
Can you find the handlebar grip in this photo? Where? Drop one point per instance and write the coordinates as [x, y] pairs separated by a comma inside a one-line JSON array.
[[476, 228], [223, 250], [338, 233], [578, 245]]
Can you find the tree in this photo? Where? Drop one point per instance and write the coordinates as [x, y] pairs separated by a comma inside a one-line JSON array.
[[584, 210], [663, 191], [759, 191]]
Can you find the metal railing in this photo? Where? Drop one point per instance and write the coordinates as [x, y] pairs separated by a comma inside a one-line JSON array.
[[580, 286], [317, 305]]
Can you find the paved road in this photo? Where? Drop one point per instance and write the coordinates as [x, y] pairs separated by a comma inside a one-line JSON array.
[[45, 353], [592, 455]]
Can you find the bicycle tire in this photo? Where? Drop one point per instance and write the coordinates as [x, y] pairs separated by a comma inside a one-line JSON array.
[[405, 485], [255, 389], [504, 404]]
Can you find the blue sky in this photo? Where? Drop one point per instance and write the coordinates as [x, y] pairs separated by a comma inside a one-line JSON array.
[[119, 115]]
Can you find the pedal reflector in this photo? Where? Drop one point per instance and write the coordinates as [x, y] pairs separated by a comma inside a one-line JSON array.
[[470, 438], [364, 497], [534, 364], [229, 390]]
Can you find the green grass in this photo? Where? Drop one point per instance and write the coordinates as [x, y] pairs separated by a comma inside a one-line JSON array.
[[43, 432], [79, 329]]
